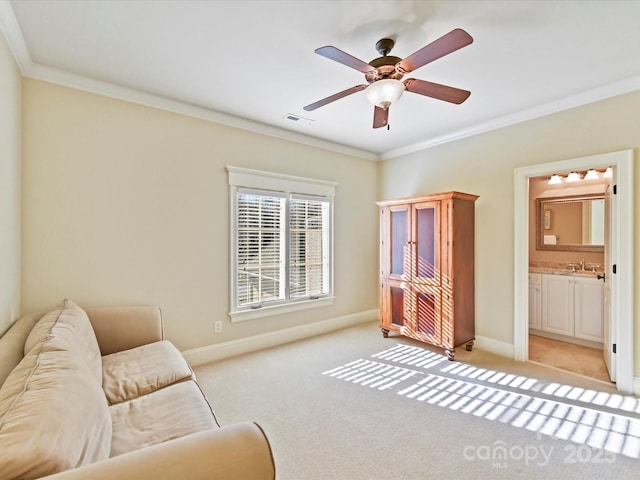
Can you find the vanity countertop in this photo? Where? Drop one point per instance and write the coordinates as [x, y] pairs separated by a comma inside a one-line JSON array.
[[564, 271], [564, 268]]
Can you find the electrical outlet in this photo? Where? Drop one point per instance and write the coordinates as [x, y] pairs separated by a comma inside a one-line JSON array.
[[217, 326]]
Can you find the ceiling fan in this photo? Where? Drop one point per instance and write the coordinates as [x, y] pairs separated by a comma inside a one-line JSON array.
[[383, 74]]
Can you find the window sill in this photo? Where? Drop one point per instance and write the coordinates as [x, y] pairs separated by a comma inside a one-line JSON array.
[[271, 311]]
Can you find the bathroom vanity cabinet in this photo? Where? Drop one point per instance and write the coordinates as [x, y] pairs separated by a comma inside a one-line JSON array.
[[535, 301], [568, 305]]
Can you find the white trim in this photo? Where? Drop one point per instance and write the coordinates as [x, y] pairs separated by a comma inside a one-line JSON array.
[[15, 40], [17, 44], [497, 347], [238, 178], [594, 95], [623, 284], [79, 82], [270, 311], [11, 29], [245, 177], [212, 353], [636, 385]]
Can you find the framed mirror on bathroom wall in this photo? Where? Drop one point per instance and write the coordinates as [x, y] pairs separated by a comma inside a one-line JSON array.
[[571, 224]]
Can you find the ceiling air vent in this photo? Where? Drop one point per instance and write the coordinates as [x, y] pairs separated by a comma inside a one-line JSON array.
[[298, 119]]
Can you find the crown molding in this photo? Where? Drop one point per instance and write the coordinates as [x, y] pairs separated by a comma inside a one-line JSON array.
[[600, 93], [11, 29], [79, 82], [12, 33]]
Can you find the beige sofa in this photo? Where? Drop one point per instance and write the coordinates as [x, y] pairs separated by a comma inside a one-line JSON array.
[[99, 394]]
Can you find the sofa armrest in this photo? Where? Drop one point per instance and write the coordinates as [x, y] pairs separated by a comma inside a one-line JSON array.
[[122, 328], [234, 452]]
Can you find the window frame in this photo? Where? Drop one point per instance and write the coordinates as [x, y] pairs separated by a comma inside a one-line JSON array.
[[242, 179]]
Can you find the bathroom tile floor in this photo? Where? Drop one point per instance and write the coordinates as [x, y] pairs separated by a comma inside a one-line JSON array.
[[567, 356]]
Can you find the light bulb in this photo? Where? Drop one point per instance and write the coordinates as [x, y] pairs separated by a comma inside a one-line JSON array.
[[555, 179], [592, 175], [573, 177]]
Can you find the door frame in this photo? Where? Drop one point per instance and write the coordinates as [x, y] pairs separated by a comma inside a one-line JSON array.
[[622, 244]]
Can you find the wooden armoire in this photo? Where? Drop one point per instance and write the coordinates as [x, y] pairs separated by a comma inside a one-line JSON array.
[[427, 269]]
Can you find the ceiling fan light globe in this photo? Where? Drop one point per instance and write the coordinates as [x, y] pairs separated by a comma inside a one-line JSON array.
[[382, 93]]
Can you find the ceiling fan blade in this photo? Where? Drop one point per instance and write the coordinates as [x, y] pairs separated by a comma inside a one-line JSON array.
[[380, 117], [445, 45], [436, 90], [334, 97], [339, 56]]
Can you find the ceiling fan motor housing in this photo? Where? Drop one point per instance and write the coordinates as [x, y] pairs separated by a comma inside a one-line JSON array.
[[385, 67]]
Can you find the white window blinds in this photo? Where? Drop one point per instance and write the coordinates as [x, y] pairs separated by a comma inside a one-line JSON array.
[[282, 242], [309, 246], [260, 247]]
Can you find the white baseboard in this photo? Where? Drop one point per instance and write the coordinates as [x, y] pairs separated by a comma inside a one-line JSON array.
[[219, 351], [494, 346], [212, 353], [636, 386]]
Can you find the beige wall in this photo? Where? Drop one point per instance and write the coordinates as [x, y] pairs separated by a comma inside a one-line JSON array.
[[126, 204], [10, 139], [484, 165]]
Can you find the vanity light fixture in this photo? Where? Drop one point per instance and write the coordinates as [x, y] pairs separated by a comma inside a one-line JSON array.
[[573, 177], [555, 179], [592, 175]]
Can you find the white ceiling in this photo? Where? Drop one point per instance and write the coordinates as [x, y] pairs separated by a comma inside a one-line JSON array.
[[250, 63]]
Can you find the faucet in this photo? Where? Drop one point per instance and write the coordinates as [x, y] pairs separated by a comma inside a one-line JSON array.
[[582, 264]]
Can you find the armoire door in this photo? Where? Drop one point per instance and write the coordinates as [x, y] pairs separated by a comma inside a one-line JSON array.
[[425, 242], [396, 232], [395, 309], [426, 274]]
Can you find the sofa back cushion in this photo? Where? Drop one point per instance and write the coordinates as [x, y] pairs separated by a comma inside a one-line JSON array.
[[12, 343], [53, 411], [73, 331]]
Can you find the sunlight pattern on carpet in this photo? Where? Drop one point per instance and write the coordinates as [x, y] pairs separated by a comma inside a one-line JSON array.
[[372, 374], [588, 417]]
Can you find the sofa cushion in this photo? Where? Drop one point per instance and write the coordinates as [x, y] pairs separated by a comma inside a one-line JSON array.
[[122, 328], [162, 415], [12, 343], [135, 372], [72, 328], [53, 413]]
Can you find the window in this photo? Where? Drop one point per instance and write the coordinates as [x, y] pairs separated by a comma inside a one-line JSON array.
[[281, 245]]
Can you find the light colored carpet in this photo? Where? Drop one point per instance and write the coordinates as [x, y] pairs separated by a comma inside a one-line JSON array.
[[352, 405]]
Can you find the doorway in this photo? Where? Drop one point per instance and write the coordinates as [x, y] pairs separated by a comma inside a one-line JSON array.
[[566, 271], [621, 283]]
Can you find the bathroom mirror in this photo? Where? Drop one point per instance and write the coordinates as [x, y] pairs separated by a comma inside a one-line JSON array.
[[574, 223]]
